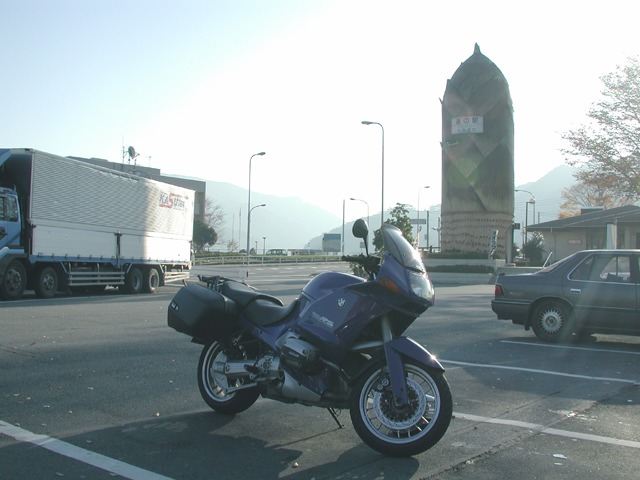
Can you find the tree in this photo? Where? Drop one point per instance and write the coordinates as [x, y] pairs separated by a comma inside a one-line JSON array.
[[584, 194], [206, 233], [534, 248], [213, 214], [203, 234], [399, 218], [232, 245], [607, 149]]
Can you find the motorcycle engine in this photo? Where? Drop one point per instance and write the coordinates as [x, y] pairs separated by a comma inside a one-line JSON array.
[[298, 354]]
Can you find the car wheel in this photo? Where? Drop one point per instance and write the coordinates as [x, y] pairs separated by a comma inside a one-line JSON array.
[[553, 322]]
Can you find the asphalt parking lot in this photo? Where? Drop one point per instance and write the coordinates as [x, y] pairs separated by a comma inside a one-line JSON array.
[[99, 387]]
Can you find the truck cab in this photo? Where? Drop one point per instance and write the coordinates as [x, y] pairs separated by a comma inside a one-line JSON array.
[[9, 218]]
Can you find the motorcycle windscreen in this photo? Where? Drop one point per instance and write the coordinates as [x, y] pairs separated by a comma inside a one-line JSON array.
[[400, 249]]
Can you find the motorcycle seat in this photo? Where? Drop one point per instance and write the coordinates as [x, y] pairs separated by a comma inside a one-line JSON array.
[[259, 308], [243, 294], [263, 312]]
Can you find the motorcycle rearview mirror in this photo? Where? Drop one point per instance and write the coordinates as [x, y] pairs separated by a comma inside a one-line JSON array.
[[360, 230]]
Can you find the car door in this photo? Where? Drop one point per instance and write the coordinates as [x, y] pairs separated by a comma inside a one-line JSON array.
[[604, 292]]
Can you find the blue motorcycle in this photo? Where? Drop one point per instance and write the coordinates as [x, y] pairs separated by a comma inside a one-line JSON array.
[[339, 345]]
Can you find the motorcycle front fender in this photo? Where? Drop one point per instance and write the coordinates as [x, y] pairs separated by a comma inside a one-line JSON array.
[[395, 351]]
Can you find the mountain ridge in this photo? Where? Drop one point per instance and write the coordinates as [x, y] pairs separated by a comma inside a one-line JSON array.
[[289, 222]]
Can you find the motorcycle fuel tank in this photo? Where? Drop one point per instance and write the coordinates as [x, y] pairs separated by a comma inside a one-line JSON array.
[[328, 308], [327, 283]]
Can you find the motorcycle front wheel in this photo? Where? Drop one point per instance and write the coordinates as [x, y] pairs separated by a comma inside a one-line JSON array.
[[214, 386], [402, 431]]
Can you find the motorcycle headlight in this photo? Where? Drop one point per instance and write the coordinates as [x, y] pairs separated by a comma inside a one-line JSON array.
[[421, 285]]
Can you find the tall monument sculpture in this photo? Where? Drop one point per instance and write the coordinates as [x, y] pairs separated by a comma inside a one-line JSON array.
[[477, 160]]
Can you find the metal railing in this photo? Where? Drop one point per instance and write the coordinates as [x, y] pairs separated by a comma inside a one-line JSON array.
[[265, 259]]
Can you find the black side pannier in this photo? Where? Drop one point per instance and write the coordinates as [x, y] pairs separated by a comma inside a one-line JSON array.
[[202, 313]]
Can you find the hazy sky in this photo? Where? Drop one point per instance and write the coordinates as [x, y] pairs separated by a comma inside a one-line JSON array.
[[197, 87]]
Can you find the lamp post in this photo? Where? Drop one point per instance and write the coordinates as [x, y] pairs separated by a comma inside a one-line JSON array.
[[264, 245], [248, 224], [364, 122], [342, 236], [418, 220], [249, 203], [531, 201], [358, 200]]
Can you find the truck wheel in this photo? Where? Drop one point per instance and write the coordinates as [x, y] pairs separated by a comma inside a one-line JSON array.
[[133, 281], [151, 280], [14, 281], [46, 284]]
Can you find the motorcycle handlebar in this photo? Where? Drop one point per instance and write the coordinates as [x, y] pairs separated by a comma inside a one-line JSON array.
[[370, 263], [354, 258]]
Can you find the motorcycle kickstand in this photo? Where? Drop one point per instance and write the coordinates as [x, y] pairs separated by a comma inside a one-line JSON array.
[[334, 415]]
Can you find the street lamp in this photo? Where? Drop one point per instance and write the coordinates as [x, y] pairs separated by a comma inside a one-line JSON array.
[[418, 221], [264, 245], [364, 122], [249, 224], [342, 236], [249, 202], [531, 201]]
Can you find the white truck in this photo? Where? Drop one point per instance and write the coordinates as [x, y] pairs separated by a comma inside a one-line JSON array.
[[67, 225]]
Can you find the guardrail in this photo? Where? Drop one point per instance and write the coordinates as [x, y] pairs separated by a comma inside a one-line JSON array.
[[265, 259]]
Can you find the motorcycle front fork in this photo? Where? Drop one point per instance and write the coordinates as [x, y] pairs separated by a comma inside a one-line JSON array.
[[394, 363]]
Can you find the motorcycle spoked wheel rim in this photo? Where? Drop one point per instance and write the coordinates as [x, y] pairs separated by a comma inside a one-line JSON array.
[[392, 425]]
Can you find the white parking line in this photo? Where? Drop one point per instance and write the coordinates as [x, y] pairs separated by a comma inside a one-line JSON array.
[[544, 372], [569, 347], [85, 456], [549, 431], [134, 473]]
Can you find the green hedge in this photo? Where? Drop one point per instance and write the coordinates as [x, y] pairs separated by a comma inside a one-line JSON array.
[[456, 254], [461, 268]]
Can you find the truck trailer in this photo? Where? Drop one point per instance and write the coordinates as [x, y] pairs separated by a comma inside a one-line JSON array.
[[71, 226]]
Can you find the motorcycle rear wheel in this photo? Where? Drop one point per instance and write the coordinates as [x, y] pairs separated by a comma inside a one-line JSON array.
[[405, 431], [213, 386]]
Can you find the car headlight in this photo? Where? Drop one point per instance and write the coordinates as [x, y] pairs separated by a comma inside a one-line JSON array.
[[421, 285]]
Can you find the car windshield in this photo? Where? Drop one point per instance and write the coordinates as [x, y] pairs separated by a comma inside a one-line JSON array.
[[400, 249]]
